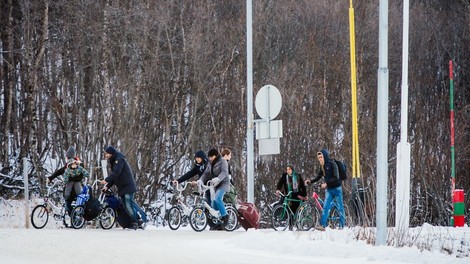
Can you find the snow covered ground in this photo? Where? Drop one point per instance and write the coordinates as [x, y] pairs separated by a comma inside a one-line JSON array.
[[161, 245]]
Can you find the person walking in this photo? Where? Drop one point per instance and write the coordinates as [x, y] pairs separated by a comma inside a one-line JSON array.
[[329, 170], [292, 181], [122, 176]]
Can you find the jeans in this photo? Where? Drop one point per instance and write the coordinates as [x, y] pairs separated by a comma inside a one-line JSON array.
[[128, 200], [218, 203], [333, 193]]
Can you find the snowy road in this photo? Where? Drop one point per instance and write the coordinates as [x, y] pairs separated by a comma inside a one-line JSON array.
[[162, 245]]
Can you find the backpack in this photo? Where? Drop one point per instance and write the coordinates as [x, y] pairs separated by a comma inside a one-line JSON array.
[[92, 208], [341, 169]]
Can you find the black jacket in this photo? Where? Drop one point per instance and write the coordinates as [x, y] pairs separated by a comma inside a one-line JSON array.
[[198, 168], [282, 185], [329, 171], [121, 175]]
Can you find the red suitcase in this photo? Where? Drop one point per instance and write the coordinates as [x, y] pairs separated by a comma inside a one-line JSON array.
[[248, 215]]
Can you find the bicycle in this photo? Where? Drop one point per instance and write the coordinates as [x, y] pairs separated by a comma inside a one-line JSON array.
[[203, 212], [282, 215], [41, 212], [108, 206], [157, 212], [179, 214], [309, 213]]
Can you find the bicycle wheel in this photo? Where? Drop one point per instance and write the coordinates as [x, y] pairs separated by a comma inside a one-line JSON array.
[[39, 216], [232, 219], [280, 217], [77, 217], [198, 219], [174, 218], [107, 218], [307, 217]]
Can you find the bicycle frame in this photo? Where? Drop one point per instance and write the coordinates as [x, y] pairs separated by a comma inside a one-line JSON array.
[[202, 189], [282, 215], [185, 209], [48, 202]]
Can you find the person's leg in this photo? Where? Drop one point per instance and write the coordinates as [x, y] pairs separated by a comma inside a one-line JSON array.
[[77, 187], [338, 193], [127, 199], [67, 192], [326, 207], [218, 203]]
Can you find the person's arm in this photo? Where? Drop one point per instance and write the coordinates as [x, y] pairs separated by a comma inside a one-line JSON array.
[[188, 175], [223, 170], [57, 173], [116, 171], [319, 175], [84, 172]]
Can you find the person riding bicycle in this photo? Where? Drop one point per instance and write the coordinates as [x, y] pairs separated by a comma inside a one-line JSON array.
[[199, 167], [329, 170], [73, 177], [292, 181], [217, 172]]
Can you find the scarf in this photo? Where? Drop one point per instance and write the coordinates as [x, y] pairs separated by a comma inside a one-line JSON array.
[[292, 182]]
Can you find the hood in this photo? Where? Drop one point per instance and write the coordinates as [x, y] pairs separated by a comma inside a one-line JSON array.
[[326, 155], [201, 155]]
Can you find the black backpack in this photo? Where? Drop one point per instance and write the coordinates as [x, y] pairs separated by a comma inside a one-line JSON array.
[[92, 208], [342, 171]]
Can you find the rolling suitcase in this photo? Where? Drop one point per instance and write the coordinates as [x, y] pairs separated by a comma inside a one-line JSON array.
[[248, 215]]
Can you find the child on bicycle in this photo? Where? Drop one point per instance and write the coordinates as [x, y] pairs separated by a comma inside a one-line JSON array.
[[72, 179], [292, 181]]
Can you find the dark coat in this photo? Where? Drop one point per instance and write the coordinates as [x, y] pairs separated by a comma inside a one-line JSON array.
[[121, 175], [329, 171], [282, 185], [198, 168]]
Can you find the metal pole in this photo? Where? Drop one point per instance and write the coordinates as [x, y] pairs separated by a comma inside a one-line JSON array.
[[26, 193], [452, 147], [402, 203], [382, 126], [249, 104]]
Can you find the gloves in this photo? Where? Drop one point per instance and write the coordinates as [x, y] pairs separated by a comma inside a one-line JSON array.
[[215, 181]]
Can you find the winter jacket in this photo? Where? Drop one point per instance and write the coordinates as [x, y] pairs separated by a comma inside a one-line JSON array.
[[121, 174], [198, 168], [217, 168], [330, 171], [282, 184], [75, 175]]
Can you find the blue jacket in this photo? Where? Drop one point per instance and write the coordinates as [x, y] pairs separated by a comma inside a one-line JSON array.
[[121, 174], [329, 171]]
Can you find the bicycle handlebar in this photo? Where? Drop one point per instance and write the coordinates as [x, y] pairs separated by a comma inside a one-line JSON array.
[[179, 188]]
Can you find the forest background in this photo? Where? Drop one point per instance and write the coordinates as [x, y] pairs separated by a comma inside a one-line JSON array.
[[162, 79]]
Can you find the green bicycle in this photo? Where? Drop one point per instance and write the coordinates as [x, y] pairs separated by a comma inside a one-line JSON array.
[[282, 216]]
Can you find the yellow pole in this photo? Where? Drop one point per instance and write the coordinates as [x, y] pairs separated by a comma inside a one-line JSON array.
[[355, 138]]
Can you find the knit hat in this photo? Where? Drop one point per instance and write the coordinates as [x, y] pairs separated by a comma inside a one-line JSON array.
[[213, 152], [75, 160], [110, 150], [71, 153]]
